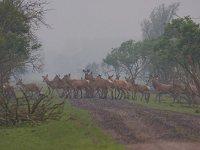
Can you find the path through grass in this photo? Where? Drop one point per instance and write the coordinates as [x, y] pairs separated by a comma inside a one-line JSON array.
[[75, 131]]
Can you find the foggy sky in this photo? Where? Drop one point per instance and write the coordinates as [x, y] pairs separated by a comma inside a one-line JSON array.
[[86, 30]]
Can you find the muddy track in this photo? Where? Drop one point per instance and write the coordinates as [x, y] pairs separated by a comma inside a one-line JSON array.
[[137, 126]]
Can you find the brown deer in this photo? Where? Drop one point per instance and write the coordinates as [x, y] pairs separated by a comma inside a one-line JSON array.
[[52, 85], [141, 88], [77, 85], [97, 84], [161, 88], [119, 87], [103, 86], [30, 87], [144, 90]]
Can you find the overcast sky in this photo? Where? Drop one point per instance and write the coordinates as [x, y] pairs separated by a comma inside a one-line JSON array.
[[86, 30]]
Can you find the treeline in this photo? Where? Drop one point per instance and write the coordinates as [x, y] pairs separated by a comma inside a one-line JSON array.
[[170, 49], [174, 56]]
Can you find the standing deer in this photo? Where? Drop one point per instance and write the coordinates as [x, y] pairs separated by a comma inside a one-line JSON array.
[[119, 86], [50, 84], [77, 85], [161, 88], [97, 85]]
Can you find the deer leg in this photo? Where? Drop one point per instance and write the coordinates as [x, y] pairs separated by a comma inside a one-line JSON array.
[[49, 90], [156, 98], [142, 96], [118, 93], [159, 97], [81, 93], [128, 94], [134, 95], [106, 93], [111, 90]]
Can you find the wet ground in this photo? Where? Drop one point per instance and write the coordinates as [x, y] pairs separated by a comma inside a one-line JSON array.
[[139, 127]]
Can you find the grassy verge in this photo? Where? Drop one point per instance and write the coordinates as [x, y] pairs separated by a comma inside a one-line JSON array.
[[167, 104], [75, 131]]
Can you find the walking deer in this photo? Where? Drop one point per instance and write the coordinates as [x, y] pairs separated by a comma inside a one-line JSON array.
[[77, 85], [121, 86], [161, 88]]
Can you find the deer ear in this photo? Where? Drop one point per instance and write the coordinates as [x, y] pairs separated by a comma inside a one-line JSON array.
[[69, 74], [84, 70]]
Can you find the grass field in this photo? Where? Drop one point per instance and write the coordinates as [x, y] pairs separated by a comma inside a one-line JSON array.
[[167, 104], [74, 131]]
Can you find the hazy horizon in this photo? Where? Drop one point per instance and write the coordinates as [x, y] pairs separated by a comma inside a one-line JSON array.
[[85, 31]]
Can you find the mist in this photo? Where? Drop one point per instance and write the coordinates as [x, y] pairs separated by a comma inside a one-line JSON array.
[[85, 31]]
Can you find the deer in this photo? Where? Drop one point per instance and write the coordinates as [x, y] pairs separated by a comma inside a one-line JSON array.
[[50, 84], [144, 90], [76, 85], [120, 86], [161, 88], [30, 87], [141, 88], [97, 84], [104, 85]]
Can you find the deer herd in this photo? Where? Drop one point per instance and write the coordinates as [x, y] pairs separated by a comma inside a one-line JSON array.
[[98, 87]]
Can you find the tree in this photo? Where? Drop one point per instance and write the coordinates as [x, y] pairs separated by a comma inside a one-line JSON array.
[[181, 44], [152, 29], [159, 17], [128, 57], [19, 47], [112, 59]]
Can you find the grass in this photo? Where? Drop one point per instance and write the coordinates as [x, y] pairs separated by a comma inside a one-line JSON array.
[[167, 104], [74, 131]]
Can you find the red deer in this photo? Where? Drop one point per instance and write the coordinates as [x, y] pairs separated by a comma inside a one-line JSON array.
[[97, 84], [30, 87], [161, 88], [131, 87], [120, 87], [103, 85], [141, 88], [50, 84], [144, 90], [76, 85]]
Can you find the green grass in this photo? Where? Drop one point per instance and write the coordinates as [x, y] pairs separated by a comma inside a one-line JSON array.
[[167, 104], [74, 131]]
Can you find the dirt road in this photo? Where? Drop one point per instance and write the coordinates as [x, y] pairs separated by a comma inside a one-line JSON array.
[[139, 127]]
